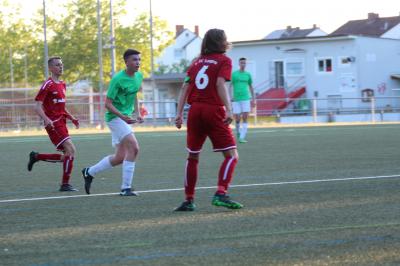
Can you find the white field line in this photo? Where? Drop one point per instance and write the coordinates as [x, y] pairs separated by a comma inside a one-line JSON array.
[[211, 187]]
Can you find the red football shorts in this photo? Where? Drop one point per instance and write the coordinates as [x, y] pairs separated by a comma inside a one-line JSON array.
[[59, 133], [206, 120]]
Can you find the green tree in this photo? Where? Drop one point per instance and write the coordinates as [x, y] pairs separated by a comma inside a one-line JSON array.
[[137, 36], [75, 39], [15, 45], [72, 34], [180, 67]]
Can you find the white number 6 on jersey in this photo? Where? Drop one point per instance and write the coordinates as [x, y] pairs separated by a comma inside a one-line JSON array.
[[202, 78]]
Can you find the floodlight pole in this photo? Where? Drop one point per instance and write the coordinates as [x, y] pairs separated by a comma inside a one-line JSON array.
[[100, 55], [152, 65], [12, 82], [46, 49], [11, 70], [112, 41], [25, 68]]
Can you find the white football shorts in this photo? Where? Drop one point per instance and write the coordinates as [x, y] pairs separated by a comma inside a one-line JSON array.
[[241, 107], [119, 130]]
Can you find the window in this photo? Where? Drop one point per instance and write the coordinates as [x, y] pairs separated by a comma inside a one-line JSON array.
[[346, 61], [324, 65], [178, 53], [366, 95], [294, 68]]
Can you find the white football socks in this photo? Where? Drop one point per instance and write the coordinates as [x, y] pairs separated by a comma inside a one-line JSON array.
[[101, 166], [128, 169], [243, 130]]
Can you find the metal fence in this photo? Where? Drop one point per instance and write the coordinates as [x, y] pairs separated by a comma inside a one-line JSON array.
[[21, 115], [332, 109]]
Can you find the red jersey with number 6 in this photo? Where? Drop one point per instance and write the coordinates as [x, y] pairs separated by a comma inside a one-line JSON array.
[[52, 95], [202, 77]]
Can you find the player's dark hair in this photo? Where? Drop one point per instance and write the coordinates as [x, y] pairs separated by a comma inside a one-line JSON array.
[[242, 58], [214, 42], [130, 52], [51, 59]]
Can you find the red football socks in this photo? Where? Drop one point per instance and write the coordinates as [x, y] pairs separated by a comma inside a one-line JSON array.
[[67, 169], [226, 174], [190, 177], [53, 158]]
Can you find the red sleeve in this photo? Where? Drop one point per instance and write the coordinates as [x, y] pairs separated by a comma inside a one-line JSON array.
[[43, 91], [226, 69]]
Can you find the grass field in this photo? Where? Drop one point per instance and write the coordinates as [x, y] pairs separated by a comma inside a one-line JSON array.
[[312, 196]]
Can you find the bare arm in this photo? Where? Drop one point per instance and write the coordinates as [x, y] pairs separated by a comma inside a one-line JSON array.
[[74, 120], [139, 117], [70, 116], [252, 91], [230, 89], [110, 107], [181, 103], [39, 110], [223, 94], [253, 98]]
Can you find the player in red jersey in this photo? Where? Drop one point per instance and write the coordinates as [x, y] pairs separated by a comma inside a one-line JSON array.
[[50, 106], [209, 116]]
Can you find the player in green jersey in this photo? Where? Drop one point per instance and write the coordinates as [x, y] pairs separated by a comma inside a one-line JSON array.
[[243, 98], [121, 104]]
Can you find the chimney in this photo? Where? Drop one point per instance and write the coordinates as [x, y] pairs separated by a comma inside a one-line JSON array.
[[289, 28], [373, 15], [314, 26], [196, 30], [178, 30]]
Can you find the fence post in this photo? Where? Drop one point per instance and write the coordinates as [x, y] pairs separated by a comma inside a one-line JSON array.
[[255, 112], [373, 109], [315, 110]]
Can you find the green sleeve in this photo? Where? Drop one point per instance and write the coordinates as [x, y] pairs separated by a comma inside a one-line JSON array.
[[187, 79], [250, 80], [112, 89]]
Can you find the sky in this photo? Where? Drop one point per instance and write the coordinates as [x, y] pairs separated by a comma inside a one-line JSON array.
[[247, 19]]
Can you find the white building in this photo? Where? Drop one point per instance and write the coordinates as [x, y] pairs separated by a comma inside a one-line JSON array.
[[340, 70], [186, 46]]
